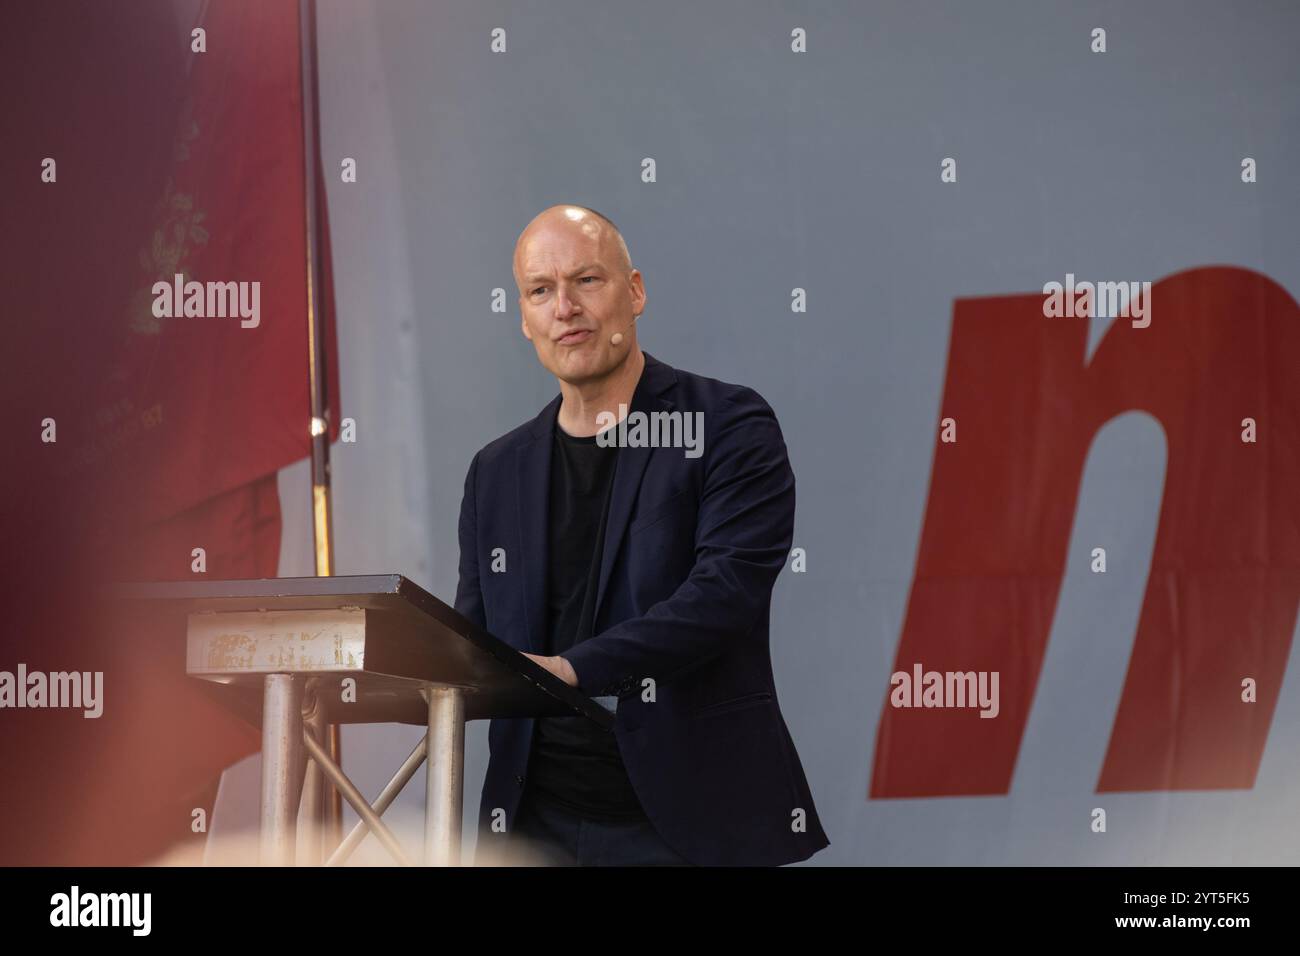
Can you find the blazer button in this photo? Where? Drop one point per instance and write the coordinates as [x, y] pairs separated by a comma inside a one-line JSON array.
[[519, 780]]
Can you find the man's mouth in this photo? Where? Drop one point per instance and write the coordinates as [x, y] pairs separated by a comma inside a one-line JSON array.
[[574, 337]]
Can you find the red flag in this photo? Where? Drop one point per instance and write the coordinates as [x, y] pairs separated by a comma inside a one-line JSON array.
[[141, 148]]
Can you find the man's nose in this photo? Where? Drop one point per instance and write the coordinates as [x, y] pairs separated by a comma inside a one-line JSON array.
[[564, 304]]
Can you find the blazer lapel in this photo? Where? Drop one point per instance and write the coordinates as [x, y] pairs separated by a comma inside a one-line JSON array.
[[533, 485], [630, 466]]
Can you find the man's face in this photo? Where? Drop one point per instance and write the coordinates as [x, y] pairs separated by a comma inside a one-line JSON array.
[[575, 293]]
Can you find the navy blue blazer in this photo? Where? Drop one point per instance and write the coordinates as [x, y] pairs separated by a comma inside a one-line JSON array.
[[693, 547]]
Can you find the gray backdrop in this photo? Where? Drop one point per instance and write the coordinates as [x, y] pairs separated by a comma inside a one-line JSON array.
[[818, 170]]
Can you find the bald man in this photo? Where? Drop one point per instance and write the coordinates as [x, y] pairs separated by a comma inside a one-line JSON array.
[[638, 565]]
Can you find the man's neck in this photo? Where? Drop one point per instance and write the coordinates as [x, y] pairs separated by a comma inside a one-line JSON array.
[[583, 403]]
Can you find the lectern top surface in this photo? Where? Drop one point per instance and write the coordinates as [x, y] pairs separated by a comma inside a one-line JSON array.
[[415, 637]]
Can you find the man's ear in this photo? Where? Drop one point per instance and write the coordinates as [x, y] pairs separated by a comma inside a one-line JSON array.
[[523, 324], [638, 292]]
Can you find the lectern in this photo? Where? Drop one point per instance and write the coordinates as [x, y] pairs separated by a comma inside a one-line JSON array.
[[297, 654]]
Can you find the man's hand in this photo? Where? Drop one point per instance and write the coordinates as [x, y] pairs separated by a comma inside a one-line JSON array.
[[557, 666]]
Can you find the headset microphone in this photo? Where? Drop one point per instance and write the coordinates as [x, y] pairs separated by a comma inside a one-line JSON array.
[[617, 337]]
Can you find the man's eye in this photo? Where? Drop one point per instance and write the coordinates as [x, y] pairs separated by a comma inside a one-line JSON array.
[[585, 278], [538, 289]]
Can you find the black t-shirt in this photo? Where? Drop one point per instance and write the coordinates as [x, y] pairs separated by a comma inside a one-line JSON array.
[[574, 762]]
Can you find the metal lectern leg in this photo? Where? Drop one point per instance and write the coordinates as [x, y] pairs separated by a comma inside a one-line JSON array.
[[311, 835], [444, 769], [282, 767]]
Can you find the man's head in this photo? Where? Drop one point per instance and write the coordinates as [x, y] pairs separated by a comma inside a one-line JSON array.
[[577, 288]]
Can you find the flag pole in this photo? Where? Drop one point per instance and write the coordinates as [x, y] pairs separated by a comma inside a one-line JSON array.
[[331, 813]]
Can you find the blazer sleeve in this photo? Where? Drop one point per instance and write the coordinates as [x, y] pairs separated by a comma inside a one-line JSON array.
[[743, 534], [469, 598]]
